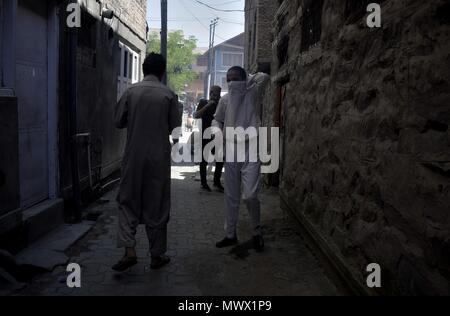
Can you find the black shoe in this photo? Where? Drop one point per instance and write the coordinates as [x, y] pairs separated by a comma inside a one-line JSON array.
[[206, 188], [227, 242], [159, 262], [219, 187], [125, 264], [258, 243]]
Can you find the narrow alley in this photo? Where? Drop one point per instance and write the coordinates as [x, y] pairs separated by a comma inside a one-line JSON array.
[[334, 114], [286, 268]]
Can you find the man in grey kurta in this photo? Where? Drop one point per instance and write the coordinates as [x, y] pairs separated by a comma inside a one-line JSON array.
[[150, 112]]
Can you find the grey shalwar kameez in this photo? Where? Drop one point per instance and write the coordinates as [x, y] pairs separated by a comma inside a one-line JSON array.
[[150, 112]]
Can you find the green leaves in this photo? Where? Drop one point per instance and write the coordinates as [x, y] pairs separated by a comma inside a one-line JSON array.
[[180, 51]]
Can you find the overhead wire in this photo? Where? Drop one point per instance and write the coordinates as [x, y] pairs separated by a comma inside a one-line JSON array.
[[199, 21]]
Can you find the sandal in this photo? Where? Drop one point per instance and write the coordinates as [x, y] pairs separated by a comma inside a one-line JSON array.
[[125, 264]]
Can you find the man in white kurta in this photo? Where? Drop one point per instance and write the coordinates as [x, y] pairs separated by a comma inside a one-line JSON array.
[[241, 108], [150, 112]]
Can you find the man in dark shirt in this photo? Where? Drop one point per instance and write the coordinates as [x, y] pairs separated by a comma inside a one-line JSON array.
[[205, 112]]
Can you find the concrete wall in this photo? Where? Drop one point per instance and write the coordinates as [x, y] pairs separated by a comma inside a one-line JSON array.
[[8, 70], [10, 216], [365, 125]]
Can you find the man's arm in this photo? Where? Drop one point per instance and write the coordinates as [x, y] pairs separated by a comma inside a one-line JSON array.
[[219, 117], [121, 112], [258, 85], [202, 108], [259, 81]]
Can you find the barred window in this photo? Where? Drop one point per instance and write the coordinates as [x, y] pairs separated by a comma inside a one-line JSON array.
[[232, 59], [129, 70]]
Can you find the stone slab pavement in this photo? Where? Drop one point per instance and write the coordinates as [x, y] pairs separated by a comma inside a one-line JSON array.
[[286, 268]]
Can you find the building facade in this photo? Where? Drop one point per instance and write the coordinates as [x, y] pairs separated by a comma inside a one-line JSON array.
[[36, 169], [110, 53], [258, 34], [364, 118], [224, 56], [195, 89]]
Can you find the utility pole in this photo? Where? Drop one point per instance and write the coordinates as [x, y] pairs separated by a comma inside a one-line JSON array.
[[164, 33], [208, 72], [213, 59], [212, 35]]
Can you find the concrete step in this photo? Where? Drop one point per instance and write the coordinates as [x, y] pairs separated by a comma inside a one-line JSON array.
[[8, 283], [49, 252], [42, 219], [44, 255]]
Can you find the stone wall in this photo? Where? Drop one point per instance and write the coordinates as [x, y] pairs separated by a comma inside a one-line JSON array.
[[365, 123], [132, 13]]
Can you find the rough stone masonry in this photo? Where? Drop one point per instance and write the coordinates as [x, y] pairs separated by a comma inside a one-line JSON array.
[[365, 117]]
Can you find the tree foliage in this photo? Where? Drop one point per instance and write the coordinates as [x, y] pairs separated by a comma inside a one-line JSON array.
[[180, 57]]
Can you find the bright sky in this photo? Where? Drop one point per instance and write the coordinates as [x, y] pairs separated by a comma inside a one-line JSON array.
[[194, 18]]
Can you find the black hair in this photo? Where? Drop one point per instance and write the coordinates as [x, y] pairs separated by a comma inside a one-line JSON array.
[[240, 70], [154, 64]]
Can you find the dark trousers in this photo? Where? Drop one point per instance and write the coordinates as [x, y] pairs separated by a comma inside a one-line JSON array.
[[204, 171]]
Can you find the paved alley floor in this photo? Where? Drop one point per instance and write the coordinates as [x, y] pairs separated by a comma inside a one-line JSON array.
[[287, 267]]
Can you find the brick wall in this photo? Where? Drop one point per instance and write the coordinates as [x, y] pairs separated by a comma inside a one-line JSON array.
[[259, 34], [132, 12]]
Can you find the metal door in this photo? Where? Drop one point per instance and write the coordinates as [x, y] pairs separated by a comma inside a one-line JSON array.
[[32, 94]]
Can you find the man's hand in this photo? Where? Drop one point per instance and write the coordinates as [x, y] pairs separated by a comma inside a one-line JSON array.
[[258, 80], [210, 104], [199, 114]]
